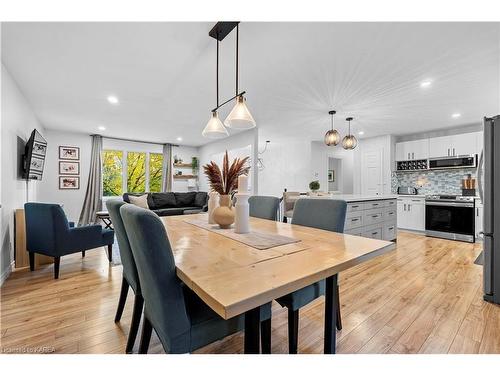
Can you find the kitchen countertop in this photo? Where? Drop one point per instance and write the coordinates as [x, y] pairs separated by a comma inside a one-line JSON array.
[[354, 197]]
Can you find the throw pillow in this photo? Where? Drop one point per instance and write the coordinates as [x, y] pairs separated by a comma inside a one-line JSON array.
[[140, 201]]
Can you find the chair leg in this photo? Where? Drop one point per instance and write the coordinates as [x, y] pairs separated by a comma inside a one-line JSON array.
[[134, 325], [339, 315], [83, 254], [57, 261], [32, 261], [284, 219], [293, 331], [265, 336], [147, 329], [121, 301], [110, 253]]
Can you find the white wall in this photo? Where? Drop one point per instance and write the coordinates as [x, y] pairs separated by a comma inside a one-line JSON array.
[[236, 141], [72, 200], [319, 165], [17, 120]]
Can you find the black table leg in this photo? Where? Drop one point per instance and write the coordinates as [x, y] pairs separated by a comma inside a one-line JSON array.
[[331, 314], [252, 331]]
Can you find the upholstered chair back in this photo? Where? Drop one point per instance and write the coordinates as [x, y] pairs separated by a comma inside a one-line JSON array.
[[46, 228], [287, 202], [264, 207], [128, 262], [162, 290], [327, 214]]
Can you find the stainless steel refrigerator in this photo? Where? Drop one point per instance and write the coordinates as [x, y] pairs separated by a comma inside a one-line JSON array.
[[489, 191]]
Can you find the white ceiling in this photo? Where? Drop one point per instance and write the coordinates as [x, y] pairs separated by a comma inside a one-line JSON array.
[[164, 76]]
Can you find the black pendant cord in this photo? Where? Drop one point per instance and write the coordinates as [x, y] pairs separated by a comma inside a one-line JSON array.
[[217, 74], [237, 56]]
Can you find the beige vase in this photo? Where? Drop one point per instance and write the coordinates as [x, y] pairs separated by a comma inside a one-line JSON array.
[[224, 214]]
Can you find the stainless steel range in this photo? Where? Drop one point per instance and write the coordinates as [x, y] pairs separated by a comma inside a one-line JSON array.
[[450, 217]]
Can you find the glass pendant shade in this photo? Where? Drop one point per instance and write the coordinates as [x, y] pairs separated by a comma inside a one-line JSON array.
[[332, 138], [349, 142], [215, 128], [240, 117]]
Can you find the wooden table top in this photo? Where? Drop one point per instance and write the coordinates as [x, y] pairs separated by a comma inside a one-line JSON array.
[[232, 277]]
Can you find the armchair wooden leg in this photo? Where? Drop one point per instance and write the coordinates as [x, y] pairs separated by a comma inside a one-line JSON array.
[[265, 337], [293, 331], [122, 300], [134, 325], [339, 315], [57, 261], [147, 329], [83, 254], [110, 253], [32, 261]]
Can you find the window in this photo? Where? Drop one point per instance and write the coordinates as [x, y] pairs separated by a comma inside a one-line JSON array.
[[112, 173], [136, 172], [155, 172], [131, 171]]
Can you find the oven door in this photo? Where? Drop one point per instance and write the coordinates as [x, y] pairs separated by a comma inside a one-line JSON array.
[[451, 220]]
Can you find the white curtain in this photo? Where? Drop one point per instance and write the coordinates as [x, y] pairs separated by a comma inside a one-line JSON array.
[[93, 195]]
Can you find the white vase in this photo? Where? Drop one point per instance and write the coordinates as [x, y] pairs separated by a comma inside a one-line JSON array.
[[213, 203], [242, 217]]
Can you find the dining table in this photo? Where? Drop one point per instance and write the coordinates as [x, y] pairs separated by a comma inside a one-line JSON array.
[[234, 277]]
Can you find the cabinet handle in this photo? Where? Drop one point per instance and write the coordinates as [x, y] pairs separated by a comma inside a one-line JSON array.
[[409, 206], [391, 228], [448, 152], [374, 216], [354, 206], [374, 233], [453, 151], [477, 211], [404, 207], [354, 219], [413, 155]]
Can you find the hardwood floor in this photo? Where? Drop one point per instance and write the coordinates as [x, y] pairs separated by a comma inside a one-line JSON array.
[[424, 297]]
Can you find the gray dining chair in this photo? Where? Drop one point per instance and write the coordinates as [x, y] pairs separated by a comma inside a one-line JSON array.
[[129, 273], [182, 321], [326, 214], [264, 207]]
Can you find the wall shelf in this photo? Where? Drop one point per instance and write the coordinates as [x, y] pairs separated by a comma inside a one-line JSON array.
[[182, 165], [184, 177]]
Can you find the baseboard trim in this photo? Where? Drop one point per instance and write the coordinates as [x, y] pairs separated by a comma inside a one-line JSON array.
[[6, 273]]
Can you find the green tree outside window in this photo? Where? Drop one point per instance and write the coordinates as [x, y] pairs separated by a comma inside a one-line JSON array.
[[112, 173], [155, 172], [136, 172]]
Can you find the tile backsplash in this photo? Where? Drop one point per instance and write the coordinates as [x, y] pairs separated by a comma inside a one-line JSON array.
[[433, 182]]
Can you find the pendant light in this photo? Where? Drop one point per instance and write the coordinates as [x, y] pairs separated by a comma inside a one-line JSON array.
[[349, 142], [239, 117], [332, 137], [215, 128]]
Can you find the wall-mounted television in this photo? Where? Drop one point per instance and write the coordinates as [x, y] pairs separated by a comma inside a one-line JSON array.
[[34, 156]]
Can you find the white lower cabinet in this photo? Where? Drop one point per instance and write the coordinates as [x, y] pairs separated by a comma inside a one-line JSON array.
[[373, 219], [478, 215], [411, 213]]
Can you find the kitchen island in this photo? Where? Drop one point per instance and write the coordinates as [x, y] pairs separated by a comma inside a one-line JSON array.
[[372, 216]]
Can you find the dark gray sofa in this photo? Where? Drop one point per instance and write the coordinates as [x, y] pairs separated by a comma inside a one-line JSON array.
[[169, 203]]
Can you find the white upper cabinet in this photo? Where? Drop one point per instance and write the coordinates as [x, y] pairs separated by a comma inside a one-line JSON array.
[[454, 145], [440, 146], [464, 144], [412, 150]]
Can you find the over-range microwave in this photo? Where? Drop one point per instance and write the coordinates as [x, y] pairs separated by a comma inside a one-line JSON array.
[[464, 161]]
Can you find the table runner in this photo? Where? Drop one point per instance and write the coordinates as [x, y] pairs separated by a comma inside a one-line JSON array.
[[256, 239]]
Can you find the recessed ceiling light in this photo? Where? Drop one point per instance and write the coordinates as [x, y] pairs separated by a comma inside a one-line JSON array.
[[179, 139], [456, 115], [361, 132], [101, 127], [113, 99], [426, 83]]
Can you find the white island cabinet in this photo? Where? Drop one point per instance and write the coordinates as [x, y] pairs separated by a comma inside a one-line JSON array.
[[411, 213]]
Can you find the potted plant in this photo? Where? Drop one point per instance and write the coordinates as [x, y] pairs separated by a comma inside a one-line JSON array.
[[194, 165], [225, 182], [314, 186]]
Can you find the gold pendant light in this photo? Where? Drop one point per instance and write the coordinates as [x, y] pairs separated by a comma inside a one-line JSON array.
[[332, 136], [349, 142]]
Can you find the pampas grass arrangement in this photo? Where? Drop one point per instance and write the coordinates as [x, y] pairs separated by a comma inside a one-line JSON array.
[[226, 181]]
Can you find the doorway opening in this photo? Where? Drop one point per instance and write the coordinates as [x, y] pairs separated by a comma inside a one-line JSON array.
[[334, 175]]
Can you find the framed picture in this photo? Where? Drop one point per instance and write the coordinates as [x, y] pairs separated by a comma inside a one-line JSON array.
[[39, 148], [331, 175], [69, 182], [69, 167], [36, 164], [69, 153]]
